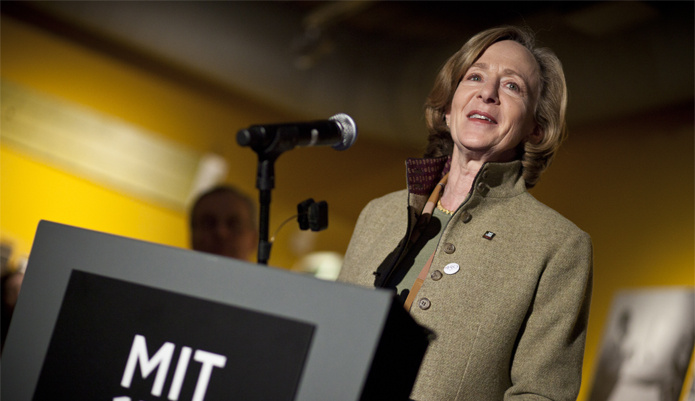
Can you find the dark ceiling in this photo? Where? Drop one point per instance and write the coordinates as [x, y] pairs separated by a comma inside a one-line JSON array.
[[431, 21], [376, 60]]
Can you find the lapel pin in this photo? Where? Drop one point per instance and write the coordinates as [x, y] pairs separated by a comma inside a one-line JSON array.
[[489, 235]]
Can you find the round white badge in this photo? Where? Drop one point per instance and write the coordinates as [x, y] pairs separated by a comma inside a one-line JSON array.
[[451, 268]]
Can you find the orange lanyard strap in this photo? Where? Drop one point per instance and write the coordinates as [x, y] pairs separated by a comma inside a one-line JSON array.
[[423, 221]]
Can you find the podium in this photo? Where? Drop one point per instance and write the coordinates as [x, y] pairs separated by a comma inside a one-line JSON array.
[[106, 317]]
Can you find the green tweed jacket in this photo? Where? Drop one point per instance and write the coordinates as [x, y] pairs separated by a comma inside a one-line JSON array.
[[511, 321]]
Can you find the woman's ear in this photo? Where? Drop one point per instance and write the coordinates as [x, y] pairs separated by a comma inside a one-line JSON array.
[[536, 136]]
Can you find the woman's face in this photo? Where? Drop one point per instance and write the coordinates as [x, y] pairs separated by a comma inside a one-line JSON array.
[[493, 107]]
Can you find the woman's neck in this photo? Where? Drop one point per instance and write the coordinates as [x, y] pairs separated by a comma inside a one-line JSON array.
[[461, 177]]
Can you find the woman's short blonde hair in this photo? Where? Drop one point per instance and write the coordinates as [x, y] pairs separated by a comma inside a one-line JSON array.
[[550, 107]]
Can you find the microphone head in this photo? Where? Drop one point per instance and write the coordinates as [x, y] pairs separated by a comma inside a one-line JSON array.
[[348, 129]]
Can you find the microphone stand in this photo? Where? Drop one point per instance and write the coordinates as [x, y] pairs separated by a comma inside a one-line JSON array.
[[268, 150]]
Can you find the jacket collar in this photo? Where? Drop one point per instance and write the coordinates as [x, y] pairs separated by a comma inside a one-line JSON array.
[[500, 180], [494, 180]]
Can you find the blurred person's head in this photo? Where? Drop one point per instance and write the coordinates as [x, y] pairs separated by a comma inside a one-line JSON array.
[[222, 222]]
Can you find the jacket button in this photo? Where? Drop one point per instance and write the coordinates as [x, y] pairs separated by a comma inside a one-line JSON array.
[[436, 275], [482, 187], [424, 303], [466, 217], [449, 248]]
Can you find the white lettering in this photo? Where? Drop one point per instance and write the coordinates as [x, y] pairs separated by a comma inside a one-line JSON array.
[[180, 373], [160, 361], [209, 360]]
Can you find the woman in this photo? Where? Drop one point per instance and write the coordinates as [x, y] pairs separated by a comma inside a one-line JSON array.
[[503, 280]]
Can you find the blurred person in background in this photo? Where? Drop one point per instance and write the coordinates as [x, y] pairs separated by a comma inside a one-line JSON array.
[[11, 284], [223, 222]]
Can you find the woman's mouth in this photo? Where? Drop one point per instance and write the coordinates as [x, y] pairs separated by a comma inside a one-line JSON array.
[[482, 116]]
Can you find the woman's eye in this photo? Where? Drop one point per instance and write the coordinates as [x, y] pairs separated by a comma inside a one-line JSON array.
[[474, 77], [514, 87]]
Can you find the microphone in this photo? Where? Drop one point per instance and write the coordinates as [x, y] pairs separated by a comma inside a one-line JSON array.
[[339, 131]]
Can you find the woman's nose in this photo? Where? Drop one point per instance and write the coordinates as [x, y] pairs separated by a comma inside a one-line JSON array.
[[489, 92]]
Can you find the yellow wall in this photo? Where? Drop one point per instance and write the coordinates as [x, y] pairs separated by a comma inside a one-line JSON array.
[[32, 191], [628, 182]]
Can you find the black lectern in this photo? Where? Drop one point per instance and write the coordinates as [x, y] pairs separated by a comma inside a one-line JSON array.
[[111, 318]]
